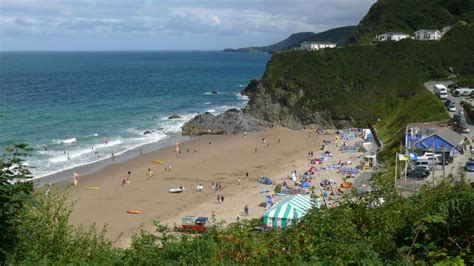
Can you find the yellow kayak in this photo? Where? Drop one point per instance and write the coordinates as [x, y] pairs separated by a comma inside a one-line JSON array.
[[158, 161]]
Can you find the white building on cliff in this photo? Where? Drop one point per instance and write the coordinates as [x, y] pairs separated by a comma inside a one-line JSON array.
[[392, 36], [428, 35], [314, 46]]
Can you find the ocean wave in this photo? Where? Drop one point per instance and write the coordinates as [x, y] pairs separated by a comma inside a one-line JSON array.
[[64, 141], [212, 93], [171, 126], [242, 97], [211, 111], [207, 103]]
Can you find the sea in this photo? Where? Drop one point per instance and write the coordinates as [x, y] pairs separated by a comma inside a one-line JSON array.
[[78, 108]]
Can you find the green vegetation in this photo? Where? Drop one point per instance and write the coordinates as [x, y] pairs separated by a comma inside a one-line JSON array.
[[14, 194], [433, 226], [411, 15]]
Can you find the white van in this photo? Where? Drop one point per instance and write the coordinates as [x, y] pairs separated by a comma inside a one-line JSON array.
[[441, 91]]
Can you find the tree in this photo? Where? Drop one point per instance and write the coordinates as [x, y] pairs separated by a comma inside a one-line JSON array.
[[15, 191]]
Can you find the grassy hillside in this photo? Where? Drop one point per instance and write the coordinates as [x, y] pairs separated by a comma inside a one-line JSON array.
[[338, 35], [377, 84], [411, 15]]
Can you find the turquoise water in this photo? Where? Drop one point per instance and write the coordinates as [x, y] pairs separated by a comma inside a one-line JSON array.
[[66, 104]]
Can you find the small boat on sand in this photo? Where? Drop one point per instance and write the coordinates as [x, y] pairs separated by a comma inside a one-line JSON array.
[[176, 190]]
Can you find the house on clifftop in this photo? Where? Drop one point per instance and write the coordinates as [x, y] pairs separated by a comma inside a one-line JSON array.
[[392, 36], [428, 35], [314, 46]]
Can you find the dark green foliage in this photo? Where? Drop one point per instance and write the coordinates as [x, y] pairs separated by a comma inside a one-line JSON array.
[[45, 235], [411, 15], [14, 193]]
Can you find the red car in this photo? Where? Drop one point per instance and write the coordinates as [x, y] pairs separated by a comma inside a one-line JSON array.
[[193, 224]]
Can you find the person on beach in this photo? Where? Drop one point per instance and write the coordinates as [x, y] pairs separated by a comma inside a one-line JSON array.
[[255, 149], [279, 140], [187, 150], [218, 199], [239, 180], [246, 210], [245, 134], [75, 178], [129, 174], [177, 148], [247, 174], [222, 199], [238, 218], [150, 172]]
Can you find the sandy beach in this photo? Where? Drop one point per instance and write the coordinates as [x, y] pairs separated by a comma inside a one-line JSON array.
[[221, 158]]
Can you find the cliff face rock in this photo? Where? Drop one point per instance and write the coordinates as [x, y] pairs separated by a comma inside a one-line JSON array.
[[282, 107], [232, 121]]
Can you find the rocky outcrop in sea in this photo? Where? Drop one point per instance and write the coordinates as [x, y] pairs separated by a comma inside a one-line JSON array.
[[267, 107]]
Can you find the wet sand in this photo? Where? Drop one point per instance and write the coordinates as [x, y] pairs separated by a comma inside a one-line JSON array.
[[225, 160]]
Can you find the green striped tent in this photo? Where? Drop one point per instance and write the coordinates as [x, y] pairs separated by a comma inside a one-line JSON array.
[[288, 211]]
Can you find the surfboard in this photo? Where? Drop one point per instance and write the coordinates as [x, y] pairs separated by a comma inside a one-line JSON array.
[[133, 212], [94, 188], [158, 161]]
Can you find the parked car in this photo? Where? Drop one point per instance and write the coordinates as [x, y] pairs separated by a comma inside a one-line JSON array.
[[420, 172], [452, 107], [454, 86], [447, 103], [470, 166], [464, 127], [417, 167]]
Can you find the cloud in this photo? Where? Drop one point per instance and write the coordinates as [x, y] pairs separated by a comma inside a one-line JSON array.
[[204, 24]]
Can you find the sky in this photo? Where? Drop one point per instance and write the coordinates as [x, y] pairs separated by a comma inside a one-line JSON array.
[[166, 25]]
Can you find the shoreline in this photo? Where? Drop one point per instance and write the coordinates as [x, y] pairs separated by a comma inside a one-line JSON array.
[[96, 166]]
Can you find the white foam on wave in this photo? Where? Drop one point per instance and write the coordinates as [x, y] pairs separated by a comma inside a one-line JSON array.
[[174, 125], [64, 141], [241, 86], [242, 97], [211, 111], [207, 103]]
